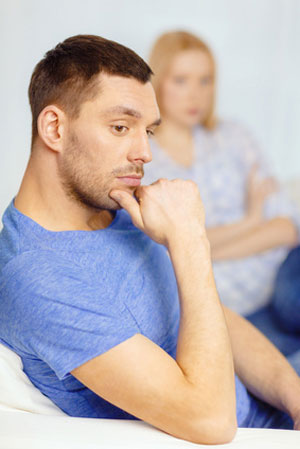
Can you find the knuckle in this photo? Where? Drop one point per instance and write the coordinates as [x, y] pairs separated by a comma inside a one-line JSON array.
[[192, 184], [159, 181], [163, 180], [146, 191]]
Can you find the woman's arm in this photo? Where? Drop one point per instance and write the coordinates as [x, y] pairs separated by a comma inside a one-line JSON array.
[[279, 231], [257, 192], [254, 233], [218, 235]]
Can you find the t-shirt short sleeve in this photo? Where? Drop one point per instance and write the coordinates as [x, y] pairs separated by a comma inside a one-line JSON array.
[[62, 314]]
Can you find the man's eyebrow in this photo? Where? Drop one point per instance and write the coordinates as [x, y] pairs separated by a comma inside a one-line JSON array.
[[124, 110], [156, 123]]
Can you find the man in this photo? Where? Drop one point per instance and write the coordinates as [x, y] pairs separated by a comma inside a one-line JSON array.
[[107, 324]]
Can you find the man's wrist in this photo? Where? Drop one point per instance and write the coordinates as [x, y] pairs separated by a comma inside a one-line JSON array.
[[189, 241]]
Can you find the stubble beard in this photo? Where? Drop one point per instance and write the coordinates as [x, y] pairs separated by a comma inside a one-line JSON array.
[[82, 183]]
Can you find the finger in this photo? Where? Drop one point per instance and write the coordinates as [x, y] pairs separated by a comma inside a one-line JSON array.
[[254, 169], [253, 174], [271, 188], [270, 185], [138, 192], [127, 202], [270, 180], [157, 181], [275, 183]]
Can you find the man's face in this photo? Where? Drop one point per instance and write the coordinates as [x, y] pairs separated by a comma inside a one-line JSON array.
[[108, 144]]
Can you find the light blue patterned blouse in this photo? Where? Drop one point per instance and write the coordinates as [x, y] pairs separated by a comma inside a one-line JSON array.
[[223, 160]]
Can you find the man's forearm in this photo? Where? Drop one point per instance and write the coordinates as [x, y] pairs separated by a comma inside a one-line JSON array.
[[203, 350], [270, 234], [261, 367]]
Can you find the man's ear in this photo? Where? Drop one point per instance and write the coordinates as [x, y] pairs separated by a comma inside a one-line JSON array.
[[51, 125]]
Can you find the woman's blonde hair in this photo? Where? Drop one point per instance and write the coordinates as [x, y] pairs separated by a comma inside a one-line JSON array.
[[164, 50]]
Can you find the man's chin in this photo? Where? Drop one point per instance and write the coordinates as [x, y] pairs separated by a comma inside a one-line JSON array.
[[115, 206], [128, 189]]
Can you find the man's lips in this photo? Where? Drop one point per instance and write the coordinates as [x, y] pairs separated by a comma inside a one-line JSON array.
[[131, 180]]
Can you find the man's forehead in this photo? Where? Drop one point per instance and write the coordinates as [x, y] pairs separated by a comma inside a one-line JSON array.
[[127, 96], [123, 110], [124, 85]]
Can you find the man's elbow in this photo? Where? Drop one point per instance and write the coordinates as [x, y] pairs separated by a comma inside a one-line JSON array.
[[212, 431]]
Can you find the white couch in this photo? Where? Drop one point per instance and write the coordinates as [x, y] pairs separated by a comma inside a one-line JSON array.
[[29, 420]]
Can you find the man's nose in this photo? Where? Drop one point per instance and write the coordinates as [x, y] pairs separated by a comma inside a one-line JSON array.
[[141, 151]]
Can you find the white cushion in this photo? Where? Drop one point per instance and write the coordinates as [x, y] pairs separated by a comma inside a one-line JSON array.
[[16, 390], [29, 431], [20, 429]]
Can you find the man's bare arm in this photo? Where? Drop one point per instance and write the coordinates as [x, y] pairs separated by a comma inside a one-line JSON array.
[[262, 368], [279, 231], [192, 397]]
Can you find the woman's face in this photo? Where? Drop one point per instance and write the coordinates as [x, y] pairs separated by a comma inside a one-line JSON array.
[[187, 89]]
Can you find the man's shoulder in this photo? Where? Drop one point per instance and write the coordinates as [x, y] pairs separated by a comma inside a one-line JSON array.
[[36, 269], [107, 258]]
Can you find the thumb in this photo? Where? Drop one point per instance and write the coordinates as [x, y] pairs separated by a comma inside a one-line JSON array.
[[252, 177], [128, 202], [254, 171]]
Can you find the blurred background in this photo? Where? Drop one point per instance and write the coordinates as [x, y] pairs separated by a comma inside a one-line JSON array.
[[256, 44]]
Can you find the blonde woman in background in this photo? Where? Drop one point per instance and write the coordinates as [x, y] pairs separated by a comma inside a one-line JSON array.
[[251, 223]]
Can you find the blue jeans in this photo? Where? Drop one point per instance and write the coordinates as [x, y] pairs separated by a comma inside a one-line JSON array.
[[280, 320], [263, 415], [266, 322], [285, 303]]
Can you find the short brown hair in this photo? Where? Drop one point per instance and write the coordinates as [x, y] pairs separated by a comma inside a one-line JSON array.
[[66, 75], [164, 50]]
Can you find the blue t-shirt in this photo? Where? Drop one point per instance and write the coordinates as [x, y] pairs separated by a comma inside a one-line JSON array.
[[67, 297]]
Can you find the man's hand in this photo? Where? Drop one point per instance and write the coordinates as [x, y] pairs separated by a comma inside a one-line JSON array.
[[165, 210], [258, 191]]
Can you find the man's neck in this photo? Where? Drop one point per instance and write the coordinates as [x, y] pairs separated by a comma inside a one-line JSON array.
[[41, 197]]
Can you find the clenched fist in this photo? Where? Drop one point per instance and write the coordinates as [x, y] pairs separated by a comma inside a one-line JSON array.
[[165, 210]]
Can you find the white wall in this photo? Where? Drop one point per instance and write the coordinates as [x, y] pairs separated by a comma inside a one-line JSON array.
[[256, 42]]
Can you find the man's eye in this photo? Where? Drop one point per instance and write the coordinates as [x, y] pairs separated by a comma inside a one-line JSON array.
[[120, 129], [150, 132]]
